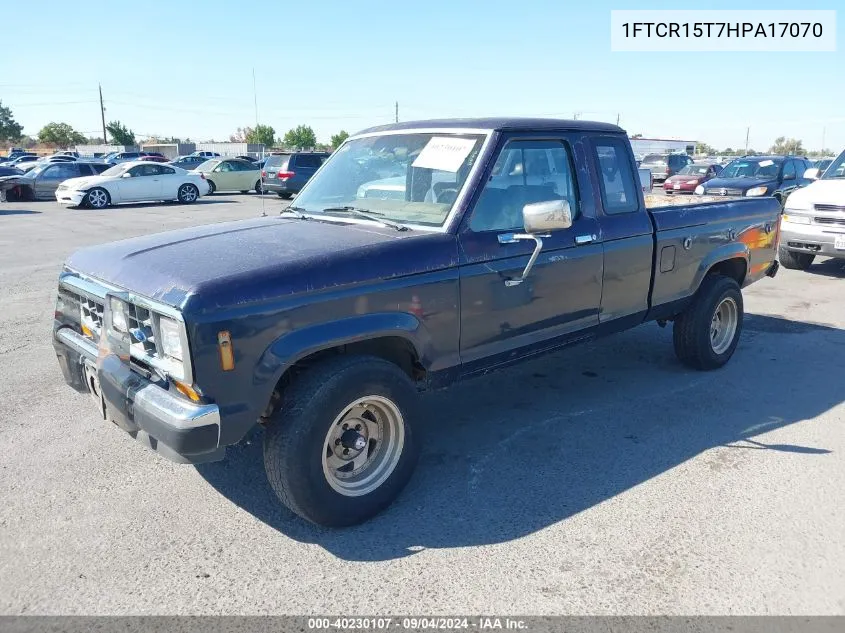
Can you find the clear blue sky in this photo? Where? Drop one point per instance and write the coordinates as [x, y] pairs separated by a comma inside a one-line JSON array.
[[186, 69]]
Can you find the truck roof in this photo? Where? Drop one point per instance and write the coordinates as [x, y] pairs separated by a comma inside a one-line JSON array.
[[501, 124]]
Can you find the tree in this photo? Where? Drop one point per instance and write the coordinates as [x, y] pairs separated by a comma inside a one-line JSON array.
[[262, 135], [337, 139], [120, 134], [704, 148], [300, 137], [636, 136], [60, 134], [10, 130], [785, 145], [240, 135]]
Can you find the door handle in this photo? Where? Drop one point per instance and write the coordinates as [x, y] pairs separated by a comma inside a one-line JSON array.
[[585, 239]]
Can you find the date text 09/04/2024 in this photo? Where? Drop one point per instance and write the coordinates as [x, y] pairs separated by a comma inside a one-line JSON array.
[[723, 29], [415, 623]]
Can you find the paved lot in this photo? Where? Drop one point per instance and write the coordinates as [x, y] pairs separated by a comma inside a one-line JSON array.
[[606, 479]]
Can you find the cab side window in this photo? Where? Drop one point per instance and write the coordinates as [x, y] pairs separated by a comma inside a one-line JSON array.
[[789, 170], [618, 193], [525, 172]]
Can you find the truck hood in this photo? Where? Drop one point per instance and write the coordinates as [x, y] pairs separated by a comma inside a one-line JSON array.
[[207, 268], [818, 192], [737, 183]]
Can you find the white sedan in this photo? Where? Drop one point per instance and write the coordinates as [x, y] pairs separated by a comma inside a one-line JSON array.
[[133, 182]]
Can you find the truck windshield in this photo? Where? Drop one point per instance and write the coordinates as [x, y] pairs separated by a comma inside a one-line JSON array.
[[836, 168], [750, 168], [410, 178]]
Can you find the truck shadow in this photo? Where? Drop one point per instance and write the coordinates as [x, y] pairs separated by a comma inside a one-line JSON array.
[[522, 449]]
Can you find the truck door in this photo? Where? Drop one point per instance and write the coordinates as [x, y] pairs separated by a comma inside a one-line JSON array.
[[561, 295], [626, 231]]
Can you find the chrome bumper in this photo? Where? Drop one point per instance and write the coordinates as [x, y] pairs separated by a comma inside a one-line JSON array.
[[180, 430], [810, 238]]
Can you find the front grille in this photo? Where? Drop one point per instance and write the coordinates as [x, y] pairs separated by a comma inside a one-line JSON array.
[[834, 208], [140, 323], [723, 191], [89, 310], [830, 221]]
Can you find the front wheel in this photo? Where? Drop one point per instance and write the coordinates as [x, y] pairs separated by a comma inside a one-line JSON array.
[[97, 198], [706, 334], [187, 193], [793, 260], [341, 446]]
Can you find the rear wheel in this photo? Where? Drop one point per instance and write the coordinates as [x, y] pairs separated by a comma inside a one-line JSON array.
[[97, 198], [187, 193], [211, 187], [707, 332], [341, 446], [258, 188], [793, 260]]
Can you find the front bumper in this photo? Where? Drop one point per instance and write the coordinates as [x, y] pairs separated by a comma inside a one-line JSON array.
[[180, 430], [70, 197], [811, 238]]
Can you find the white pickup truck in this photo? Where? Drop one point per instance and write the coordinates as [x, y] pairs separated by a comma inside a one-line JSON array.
[[813, 220]]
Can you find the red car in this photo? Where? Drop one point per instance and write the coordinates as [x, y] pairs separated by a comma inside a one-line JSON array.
[[686, 180], [155, 159]]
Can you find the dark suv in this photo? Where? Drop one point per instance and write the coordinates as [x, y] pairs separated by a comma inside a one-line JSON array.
[[750, 176], [286, 174]]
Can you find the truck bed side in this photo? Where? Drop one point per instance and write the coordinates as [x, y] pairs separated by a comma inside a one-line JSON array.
[[739, 236]]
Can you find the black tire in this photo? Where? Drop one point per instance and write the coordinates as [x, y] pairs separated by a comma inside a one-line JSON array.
[[281, 195], [793, 260], [211, 187], [97, 198], [692, 330], [187, 193], [257, 187], [296, 437]]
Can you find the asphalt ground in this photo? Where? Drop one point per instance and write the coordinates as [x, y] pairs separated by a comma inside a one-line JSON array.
[[605, 479]]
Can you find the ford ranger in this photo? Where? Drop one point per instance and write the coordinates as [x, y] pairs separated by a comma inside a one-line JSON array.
[[494, 241]]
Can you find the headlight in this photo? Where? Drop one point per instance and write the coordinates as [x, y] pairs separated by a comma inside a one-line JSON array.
[[757, 191], [118, 315], [699, 190], [796, 219], [171, 338]]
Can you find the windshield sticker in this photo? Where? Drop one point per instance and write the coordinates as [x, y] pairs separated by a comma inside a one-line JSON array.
[[444, 154], [766, 163]]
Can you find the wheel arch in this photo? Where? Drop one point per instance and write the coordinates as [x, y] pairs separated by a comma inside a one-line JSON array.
[[730, 260]]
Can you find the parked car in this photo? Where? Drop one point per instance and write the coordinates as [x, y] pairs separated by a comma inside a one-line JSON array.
[[19, 160], [14, 152], [663, 166], [286, 174], [41, 182], [188, 162], [823, 163], [230, 174], [686, 180], [206, 154], [134, 181], [751, 176], [122, 157], [10, 171], [813, 221], [67, 152], [155, 158], [251, 159], [324, 324]]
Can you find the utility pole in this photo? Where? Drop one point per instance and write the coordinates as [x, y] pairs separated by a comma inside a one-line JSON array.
[[747, 132], [823, 132], [103, 114], [397, 112], [255, 97]]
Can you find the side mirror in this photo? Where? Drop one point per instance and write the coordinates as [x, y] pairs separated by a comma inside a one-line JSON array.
[[546, 216], [126, 175], [785, 177], [537, 217], [812, 173]]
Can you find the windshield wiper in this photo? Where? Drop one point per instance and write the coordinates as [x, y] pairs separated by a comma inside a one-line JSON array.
[[367, 215], [297, 212]]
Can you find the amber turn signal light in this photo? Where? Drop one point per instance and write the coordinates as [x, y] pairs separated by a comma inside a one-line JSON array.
[[227, 354], [187, 390]]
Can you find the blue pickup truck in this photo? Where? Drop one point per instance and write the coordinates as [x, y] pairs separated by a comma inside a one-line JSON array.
[[494, 240]]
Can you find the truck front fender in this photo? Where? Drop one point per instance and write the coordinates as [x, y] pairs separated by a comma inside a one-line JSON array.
[[297, 344]]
